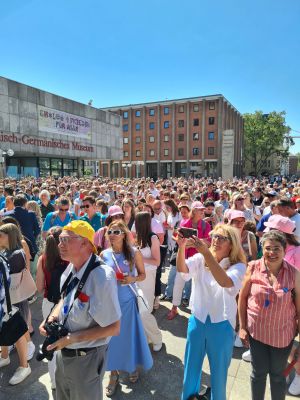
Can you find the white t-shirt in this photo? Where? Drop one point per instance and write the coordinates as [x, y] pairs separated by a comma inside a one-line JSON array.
[[208, 297], [156, 226]]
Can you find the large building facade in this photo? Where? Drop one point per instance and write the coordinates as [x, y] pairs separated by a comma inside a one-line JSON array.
[[52, 135], [192, 136]]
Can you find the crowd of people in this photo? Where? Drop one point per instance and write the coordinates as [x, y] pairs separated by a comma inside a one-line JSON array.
[[95, 249]]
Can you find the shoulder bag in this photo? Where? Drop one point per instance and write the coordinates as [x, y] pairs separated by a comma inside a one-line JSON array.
[[22, 286], [142, 303], [13, 324]]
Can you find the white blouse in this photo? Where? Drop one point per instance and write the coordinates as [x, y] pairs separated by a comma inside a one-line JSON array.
[[208, 297]]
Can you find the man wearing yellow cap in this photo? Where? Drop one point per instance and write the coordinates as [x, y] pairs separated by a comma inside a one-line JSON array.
[[91, 317]]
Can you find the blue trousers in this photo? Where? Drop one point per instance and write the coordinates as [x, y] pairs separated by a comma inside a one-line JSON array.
[[215, 340]]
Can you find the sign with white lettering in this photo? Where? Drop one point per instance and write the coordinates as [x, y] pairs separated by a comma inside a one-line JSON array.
[[54, 121]]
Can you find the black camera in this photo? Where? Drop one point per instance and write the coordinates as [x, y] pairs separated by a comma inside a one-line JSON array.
[[55, 331]]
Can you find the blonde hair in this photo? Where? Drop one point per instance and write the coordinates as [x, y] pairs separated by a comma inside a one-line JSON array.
[[236, 254], [234, 198], [33, 206]]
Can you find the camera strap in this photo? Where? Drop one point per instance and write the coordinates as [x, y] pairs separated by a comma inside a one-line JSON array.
[[93, 263]]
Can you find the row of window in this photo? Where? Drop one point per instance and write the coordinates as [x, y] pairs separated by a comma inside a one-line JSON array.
[[196, 152], [211, 121], [180, 137], [166, 110]]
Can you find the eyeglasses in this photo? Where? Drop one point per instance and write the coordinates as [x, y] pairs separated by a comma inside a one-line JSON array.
[[240, 199], [85, 206], [221, 238], [63, 209], [116, 232], [66, 239]]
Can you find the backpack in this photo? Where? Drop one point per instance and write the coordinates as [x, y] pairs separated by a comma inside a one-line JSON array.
[[55, 214]]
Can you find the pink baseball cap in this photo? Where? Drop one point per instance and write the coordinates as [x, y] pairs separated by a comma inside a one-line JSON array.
[[197, 204], [280, 223], [115, 210], [234, 214]]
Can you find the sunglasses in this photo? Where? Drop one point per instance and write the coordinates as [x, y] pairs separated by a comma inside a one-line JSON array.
[[116, 232], [241, 199], [218, 237], [63, 209], [85, 206]]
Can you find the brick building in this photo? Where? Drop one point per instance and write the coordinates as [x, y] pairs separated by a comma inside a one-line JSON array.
[[178, 137]]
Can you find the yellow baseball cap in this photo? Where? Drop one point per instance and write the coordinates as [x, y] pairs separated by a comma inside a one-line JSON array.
[[83, 229]]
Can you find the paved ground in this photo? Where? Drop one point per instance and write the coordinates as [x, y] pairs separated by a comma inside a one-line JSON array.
[[162, 382]]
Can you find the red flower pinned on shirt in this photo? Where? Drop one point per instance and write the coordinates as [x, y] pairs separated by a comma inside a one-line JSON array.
[[84, 298]]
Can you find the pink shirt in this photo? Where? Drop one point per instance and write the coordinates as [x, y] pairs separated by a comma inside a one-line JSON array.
[[274, 324], [203, 233], [292, 256]]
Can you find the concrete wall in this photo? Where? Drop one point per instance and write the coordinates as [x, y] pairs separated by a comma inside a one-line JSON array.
[[19, 125]]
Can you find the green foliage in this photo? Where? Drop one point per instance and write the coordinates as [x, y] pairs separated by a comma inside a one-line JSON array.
[[265, 136]]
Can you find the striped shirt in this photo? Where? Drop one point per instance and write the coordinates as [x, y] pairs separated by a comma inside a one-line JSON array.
[[271, 313]]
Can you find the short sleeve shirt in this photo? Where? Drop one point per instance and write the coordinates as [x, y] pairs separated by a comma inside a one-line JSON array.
[[51, 221], [208, 297], [96, 222], [99, 305]]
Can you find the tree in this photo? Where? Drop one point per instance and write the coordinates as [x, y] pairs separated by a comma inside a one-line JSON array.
[[266, 135]]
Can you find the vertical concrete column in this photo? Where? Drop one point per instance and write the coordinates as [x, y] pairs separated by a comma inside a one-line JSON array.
[[220, 136], [158, 141], [79, 165], [203, 133], [173, 138], [130, 128], [188, 133], [144, 144]]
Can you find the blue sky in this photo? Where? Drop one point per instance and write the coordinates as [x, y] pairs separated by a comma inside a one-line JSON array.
[[130, 51]]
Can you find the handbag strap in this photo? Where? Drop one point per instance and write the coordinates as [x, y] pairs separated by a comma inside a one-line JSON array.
[[116, 262], [91, 265], [119, 269], [5, 281]]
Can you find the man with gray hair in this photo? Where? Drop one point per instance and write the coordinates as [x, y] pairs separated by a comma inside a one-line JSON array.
[[90, 313]]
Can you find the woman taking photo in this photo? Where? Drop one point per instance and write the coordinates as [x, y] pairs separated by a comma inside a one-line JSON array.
[[130, 349], [182, 288], [148, 244], [49, 270], [268, 314], [217, 274]]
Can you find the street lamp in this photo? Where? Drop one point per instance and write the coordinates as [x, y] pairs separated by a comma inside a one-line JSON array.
[[4, 153]]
